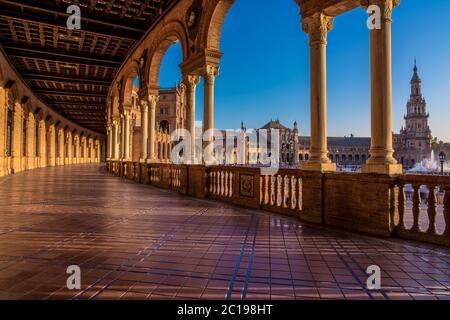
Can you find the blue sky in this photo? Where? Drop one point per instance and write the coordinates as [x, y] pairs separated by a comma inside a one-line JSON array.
[[264, 72]]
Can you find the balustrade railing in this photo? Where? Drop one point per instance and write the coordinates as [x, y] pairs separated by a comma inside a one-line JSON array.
[[423, 208], [414, 207]]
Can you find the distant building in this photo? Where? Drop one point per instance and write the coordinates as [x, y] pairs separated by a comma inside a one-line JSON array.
[[413, 143]]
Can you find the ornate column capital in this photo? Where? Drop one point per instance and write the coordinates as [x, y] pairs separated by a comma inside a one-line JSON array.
[[191, 81], [386, 6], [210, 73], [144, 105], [153, 100], [317, 27]]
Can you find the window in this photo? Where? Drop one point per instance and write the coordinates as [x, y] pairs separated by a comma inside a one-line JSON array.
[[9, 133]]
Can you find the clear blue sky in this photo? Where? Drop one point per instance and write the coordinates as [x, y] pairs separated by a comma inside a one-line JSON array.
[[265, 69]]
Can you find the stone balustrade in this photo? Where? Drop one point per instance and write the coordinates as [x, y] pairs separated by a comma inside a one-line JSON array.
[[410, 206]]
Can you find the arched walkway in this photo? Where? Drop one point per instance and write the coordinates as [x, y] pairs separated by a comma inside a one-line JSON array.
[[136, 241]]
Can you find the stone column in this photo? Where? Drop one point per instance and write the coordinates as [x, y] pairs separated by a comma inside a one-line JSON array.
[[381, 152], [97, 151], [191, 82], [51, 145], [31, 141], [42, 144], [209, 75], [127, 128], [3, 110], [109, 154], [85, 150], [317, 26], [115, 128], [16, 156], [153, 101], [61, 146], [122, 137], [77, 148], [144, 130], [69, 148]]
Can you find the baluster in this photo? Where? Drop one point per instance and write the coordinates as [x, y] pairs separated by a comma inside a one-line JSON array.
[[230, 191], [392, 205], [271, 190], [284, 190], [432, 212], [417, 205], [266, 189], [211, 182], [261, 188], [225, 192], [292, 192], [278, 193], [401, 207], [447, 211], [300, 193], [222, 183]]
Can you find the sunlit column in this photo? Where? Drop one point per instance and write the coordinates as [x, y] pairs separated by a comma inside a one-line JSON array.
[[317, 26], [69, 148], [115, 128], [191, 83], [16, 154], [61, 147], [209, 75], [381, 152], [42, 144], [3, 126], [144, 130], [31, 141], [153, 101], [127, 131], [52, 145], [109, 154]]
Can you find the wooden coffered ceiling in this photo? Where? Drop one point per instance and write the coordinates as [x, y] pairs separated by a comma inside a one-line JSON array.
[[72, 70]]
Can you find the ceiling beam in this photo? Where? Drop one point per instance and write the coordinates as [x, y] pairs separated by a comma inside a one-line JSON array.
[[52, 55], [88, 28], [69, 93], [68, 78], [61, 12], [75, 103]]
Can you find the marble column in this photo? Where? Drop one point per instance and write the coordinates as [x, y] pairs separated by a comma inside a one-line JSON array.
[[61, 146], [127, 128], [209, 75], [317, 27], [51, 145], [42, 144], [31, 141], [110, 142], [3, 126], [381, 151], [77, 148], [144, 130], [191, 82], [153, 101], [69, 148], [115, 128], [16, 155]]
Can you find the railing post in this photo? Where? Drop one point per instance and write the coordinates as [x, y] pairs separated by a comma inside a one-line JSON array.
[[432, 210], [447, 211], [417, 204], [401, 206]]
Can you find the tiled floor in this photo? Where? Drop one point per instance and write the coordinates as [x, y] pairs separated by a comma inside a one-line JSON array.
[[137, 242]]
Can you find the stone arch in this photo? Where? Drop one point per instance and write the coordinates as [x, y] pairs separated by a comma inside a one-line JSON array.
[[212, 23], [170, 34], [129, 78]]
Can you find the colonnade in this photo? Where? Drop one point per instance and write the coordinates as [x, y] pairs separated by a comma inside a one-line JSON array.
[[29, 139], [316, 24]]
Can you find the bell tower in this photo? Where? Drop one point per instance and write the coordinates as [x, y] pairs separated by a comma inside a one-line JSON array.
[[417, 134]]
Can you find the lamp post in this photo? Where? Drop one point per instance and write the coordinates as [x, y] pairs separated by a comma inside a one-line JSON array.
[[442, 159]]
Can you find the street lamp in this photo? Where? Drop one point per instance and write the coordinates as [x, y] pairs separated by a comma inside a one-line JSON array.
[[442, 159]]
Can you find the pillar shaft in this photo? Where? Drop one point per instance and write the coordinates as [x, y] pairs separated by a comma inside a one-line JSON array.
[[317, 26], [31, 141], [51, 145], [382, 160], [208, 112], [153, 101], [42, 144], [127, 128], [191, 83], [144, 130]]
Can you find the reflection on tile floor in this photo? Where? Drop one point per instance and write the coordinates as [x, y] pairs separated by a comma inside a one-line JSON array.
[[137, 242]]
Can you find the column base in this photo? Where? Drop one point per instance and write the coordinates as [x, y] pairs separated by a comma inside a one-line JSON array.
[[319, 167], [389, 169]]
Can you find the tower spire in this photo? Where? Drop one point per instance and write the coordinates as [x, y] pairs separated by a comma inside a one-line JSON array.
[[415, 77]]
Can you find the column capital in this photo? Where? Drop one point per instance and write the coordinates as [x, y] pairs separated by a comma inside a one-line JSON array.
[[210, 73], [153, 100], [144, 105], [387, 6], [317, 27], [191, 80]]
